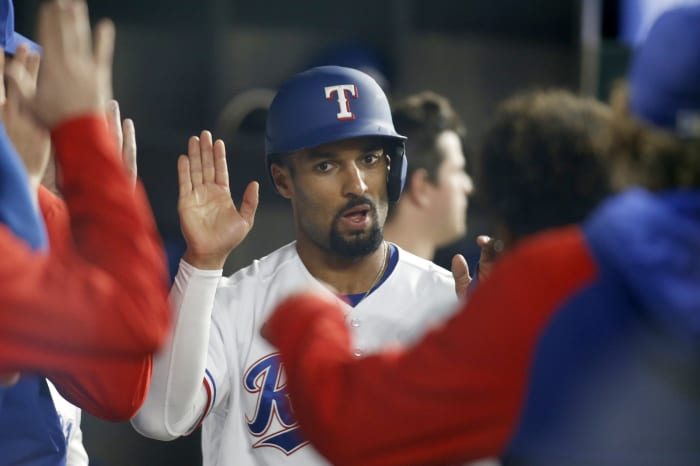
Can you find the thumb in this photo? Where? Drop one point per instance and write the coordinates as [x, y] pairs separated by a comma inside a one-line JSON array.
[[460, 273]]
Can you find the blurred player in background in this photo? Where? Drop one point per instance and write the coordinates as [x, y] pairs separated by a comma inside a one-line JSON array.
[[71, 315], [333, 152], [580, 348], [433, 207], [541, 163]]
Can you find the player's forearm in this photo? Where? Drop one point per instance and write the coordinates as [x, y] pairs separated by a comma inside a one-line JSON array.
[[112, 390], [385, 409], [176, 400], [112, 224], [104, 296], [457, 395]]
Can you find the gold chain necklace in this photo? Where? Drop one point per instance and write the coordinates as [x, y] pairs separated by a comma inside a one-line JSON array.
[[379, 276]]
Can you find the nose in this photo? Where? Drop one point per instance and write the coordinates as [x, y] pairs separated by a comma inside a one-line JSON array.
[[354, 181]]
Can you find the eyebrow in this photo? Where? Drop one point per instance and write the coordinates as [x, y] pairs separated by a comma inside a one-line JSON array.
[[316, 154]]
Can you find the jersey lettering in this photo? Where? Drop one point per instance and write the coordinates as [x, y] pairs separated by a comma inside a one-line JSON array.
[[273, 420], [342, 91]]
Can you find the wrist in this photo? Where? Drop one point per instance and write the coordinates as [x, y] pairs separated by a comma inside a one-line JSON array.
[[203, 261]]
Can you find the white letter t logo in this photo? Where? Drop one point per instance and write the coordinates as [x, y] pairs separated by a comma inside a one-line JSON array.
[[343, 103]]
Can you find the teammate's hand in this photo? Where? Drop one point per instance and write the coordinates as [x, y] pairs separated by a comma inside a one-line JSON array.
[[29, 138], [72, 80], [210, 222], [124, 134], [491, 249], [460, 273]]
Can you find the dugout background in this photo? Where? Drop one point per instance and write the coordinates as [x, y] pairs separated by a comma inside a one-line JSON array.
[[178, 63]]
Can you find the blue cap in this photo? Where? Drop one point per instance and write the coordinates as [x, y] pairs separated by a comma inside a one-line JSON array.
[[329, 104], [9, 39], [664, 76]]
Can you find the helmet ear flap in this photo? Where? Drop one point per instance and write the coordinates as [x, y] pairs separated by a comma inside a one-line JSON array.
[[397, 171]]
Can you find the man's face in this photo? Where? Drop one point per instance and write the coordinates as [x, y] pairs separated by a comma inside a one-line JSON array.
[[339, 195], [454, 185]]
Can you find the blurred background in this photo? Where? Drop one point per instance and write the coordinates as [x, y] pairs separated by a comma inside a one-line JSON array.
[[183, 66]]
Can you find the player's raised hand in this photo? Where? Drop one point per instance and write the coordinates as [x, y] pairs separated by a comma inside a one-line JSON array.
[[72, 81], [210, 222], [460, 273], [29, 138]]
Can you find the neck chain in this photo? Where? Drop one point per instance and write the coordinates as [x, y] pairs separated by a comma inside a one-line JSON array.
[[379, 274]]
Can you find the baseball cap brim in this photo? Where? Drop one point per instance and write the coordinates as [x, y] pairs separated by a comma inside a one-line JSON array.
[[17, 40]]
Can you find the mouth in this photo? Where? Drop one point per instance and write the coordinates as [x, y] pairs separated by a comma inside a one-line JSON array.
[[357, 217], [357, 213]]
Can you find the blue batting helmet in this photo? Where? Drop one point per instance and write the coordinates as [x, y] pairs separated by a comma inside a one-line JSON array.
[[328, 104]]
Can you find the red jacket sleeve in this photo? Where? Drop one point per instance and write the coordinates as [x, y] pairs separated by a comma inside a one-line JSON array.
[[89, 314], [455, 396]]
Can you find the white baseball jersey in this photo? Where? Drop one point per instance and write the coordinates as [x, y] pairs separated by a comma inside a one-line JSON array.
[[70, 416], [243, 396]]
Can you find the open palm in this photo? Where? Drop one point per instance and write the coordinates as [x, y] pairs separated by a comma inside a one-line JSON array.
[[210, 222]]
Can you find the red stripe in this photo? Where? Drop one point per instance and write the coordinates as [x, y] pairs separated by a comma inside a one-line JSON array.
[[207, 407]]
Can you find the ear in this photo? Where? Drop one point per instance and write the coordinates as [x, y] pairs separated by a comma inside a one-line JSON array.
[[282, 178], [419, 187]]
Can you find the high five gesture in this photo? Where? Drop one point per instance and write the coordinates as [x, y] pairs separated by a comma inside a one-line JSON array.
[[210, 222]]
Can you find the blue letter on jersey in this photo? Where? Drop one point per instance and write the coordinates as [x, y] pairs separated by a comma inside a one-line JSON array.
[[265, 378]]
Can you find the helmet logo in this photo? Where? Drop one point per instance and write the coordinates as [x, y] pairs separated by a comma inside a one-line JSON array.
[[342, 91]]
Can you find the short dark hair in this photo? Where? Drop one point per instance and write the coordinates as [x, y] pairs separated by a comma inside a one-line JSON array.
[[422, 118], [541, 164]]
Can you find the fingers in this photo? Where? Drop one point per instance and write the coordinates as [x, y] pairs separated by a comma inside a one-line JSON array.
[[482, 240], [105, 34], [220, 166], [129, 149], [203, 168], [46, 27], [114, 122], [19, 84], [490, 247], [73, 77], [195, 161], [13, 97], [206, 149], [460, 273], [104, 56], [33, 63], [183, 176], [250, 203], [79, 33]]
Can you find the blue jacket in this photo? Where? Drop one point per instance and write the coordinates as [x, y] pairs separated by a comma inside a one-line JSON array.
[[30, 431], [616, 375]]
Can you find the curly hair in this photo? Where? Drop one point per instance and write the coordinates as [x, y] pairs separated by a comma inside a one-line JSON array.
[[541, 162], [644, 155]]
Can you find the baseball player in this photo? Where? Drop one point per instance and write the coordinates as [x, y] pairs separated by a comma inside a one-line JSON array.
[[433, 208], [77, 314], [331, 150], [598, 361]]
